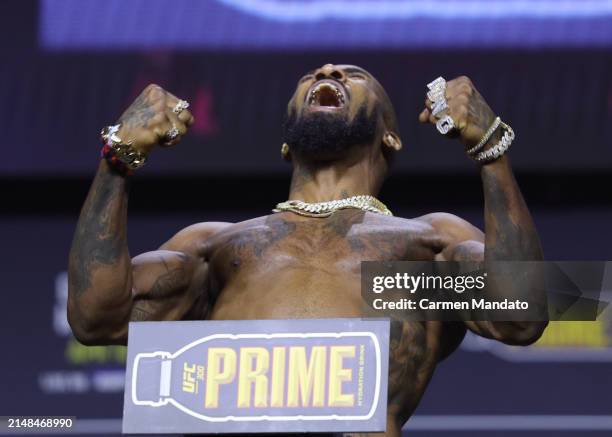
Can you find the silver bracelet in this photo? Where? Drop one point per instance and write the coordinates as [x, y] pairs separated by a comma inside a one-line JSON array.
[[485, 139], [499, 149]]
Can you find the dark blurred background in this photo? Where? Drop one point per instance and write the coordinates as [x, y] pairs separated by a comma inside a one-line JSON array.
[[69, 67]]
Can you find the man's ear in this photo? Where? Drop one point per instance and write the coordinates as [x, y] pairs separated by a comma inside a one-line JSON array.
[[392, 141], [285, 152]]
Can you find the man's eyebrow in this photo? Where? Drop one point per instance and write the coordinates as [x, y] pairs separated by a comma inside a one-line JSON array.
[[356, 70], [305, 76]]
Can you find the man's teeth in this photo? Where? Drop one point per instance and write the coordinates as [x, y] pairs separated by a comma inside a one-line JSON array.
[[314, 94]]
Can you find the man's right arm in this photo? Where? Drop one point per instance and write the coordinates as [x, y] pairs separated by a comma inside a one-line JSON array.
[[106, 288]]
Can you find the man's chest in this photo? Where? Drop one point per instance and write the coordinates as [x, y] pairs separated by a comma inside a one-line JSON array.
[[306, 264], [343, 240]]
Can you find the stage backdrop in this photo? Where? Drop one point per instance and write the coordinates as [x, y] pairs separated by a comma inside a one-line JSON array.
[[71, 66]]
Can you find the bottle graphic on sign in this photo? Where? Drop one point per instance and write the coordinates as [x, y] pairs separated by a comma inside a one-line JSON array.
[[264, 377]]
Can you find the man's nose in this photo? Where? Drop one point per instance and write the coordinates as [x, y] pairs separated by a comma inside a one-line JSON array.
[[329, 71]]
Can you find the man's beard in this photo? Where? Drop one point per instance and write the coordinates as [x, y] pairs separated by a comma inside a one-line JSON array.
[[327, 136]]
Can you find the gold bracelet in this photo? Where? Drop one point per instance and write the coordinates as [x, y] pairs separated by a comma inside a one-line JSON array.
[[126, 153]]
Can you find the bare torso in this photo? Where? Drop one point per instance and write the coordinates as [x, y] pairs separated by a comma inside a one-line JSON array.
[[288, 266]]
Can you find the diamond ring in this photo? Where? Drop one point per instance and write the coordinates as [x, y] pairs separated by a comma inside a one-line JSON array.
[[445, 125], [438, 107], [437, 96], [172, 133], [180, 106], [440, 82]]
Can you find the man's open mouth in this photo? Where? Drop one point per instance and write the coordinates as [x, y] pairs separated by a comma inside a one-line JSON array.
[[326, 93]]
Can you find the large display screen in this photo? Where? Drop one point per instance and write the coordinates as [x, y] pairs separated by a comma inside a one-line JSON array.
[[543, 66], [316, 24]]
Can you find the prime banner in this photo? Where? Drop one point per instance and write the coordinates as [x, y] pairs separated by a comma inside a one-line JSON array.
[[256, 376]]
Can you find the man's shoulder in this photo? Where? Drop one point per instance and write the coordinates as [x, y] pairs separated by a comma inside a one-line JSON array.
[[435, 222], [191, 238], [452, 225], [438, 219], [202, 230]]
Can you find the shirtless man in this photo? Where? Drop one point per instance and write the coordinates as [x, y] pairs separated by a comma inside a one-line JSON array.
[[341, 138]]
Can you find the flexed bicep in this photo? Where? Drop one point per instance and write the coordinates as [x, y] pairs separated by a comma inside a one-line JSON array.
[[166, 284]]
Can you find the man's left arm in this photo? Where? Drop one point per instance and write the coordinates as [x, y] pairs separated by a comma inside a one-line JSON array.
[[510, 234]]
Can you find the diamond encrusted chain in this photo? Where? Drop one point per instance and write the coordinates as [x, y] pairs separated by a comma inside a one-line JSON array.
[[325, 209]]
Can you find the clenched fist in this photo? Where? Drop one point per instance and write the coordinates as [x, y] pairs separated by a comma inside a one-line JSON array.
[[470, 112], [150, 119]]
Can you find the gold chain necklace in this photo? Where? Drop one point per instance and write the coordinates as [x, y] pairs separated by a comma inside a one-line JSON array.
[[325, 209]]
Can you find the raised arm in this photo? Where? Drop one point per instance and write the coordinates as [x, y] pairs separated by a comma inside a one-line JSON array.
[[510, 234], [105, 287]]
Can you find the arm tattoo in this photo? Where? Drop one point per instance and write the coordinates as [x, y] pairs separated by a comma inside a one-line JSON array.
[[407, 369], [138, 114], [170, 283], [510, 235], [99, 238], [510, 232], [480, 113], [139, 314]]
